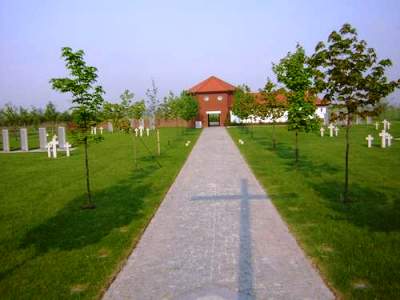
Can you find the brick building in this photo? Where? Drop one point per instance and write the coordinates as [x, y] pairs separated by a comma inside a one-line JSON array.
[[215, 98]]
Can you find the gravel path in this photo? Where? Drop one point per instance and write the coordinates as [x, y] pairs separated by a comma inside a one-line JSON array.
[[217, 236]]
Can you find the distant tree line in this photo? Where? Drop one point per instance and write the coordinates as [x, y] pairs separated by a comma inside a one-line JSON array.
[[13, 116]]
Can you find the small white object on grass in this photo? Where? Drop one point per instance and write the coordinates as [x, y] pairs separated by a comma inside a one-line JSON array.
[[322, 130], [101, 130], [336, 130], [389, 138], [383, 136], [148, 131], [369, 138], [331, 127], [241, 142], [67, 146]]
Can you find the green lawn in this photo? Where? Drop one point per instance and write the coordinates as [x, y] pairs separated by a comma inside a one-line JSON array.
[[49, 247], [356, 246]]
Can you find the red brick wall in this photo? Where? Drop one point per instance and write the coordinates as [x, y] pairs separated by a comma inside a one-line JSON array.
[[213, 104]]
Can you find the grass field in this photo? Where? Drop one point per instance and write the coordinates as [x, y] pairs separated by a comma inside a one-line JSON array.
[[356, 245], [49, 247]]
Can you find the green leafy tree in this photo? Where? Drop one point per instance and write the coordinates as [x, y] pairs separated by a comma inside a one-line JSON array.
[[189, 107], [272, 106], [87, 99], [37, 116], [294, 72], [11, 117], [244, 103], [51, 114], [352, 78], [137, 110]]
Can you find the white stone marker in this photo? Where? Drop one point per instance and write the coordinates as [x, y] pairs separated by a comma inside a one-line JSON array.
[[42, 138], [61, 137], [136, 131], [336, 130], [389, 138], [6, 141], [101, 130], [376, 125], [95, 130], [369, 138], [388, 125], [331, 127], [148, 131], [24, 139], [322, 130], [383, 136], [110, 127], [67, 147], [141, 131]]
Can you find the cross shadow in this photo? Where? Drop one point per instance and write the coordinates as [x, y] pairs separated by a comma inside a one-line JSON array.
[[245, 278]]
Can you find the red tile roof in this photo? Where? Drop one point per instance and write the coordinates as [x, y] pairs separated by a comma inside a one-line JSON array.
[[212, 84]]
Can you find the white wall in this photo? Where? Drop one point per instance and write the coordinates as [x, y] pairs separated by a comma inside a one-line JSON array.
[[321, 112]]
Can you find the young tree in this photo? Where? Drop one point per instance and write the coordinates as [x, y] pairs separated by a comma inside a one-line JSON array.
[[273, 105], [297, 76], [87, 99], [11, 117], [189, 107], [153, 102], [244, 103], [137, 110], [352, 78]]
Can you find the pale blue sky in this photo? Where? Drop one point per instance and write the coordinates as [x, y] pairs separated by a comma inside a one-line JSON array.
[[178, 43]]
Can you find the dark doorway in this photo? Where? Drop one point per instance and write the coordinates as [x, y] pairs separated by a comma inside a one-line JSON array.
[[213, 120]]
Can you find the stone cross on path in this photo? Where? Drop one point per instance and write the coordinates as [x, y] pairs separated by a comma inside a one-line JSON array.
[[245, 280], [67, 148], [336, 130], [322, 130], [331, 127], [383, 136], [369, 138]]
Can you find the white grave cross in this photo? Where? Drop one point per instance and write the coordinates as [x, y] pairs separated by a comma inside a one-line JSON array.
[[67, 146], [389, 138], [148, 131], [369, 138], [101, 130], [383, 136], [385, 125], [376, 125], [322, 130], [331, 127], [136, 131], [336, 130]]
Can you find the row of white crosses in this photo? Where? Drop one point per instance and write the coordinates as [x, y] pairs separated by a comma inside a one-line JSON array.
[[52, 148], [139, 131], [94, 130], [331, 129], [386, 137]]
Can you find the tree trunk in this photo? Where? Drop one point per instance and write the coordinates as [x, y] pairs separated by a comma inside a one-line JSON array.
[[89, 203], [346, 174], [134, 151], [297, 147], [273, 135]]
